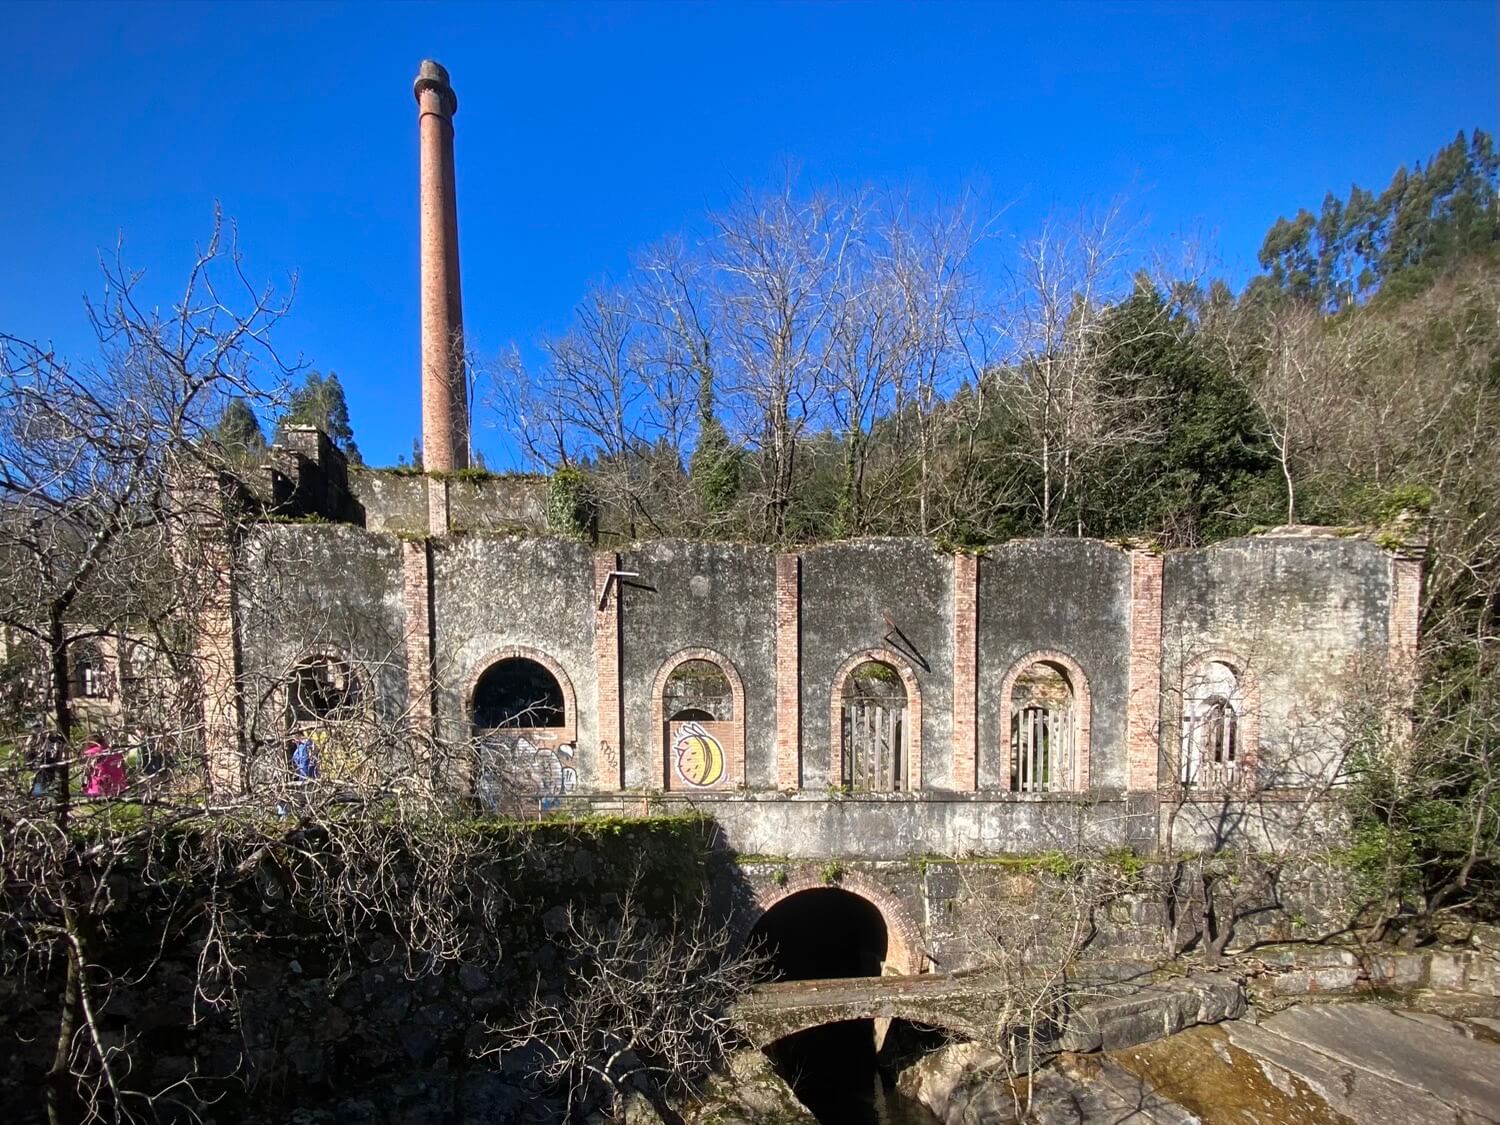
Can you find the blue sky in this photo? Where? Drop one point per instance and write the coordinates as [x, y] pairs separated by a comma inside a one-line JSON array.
[[588, 131]]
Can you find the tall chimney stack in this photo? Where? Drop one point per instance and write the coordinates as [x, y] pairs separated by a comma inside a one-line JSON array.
[[445, 407]]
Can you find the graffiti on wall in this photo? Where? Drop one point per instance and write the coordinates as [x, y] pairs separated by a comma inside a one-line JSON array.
[[700, 758], [514, 770]]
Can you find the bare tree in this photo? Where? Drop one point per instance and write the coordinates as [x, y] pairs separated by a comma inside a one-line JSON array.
[[1076, 393], [94, 506], [1032, 932], [120, 519], [776, 261], [645, 1006], [604, 398], [1298, 375]]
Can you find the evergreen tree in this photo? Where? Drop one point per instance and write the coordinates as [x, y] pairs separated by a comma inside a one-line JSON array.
[[1426, 221], [716, 461], [320, 402], [238, 432]]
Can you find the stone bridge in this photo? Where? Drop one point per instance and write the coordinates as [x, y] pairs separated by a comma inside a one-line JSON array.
[[1100, 1013], [967, 1004]]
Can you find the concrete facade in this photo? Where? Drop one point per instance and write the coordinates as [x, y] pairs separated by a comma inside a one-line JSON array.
[[1296, 615]]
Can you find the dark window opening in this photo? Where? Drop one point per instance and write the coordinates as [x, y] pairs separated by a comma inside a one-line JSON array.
[[1220, 733], [90, 676], [520, 694], [322, 688]]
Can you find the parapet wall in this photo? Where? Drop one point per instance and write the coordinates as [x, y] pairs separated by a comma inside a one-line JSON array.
[[402, 500]]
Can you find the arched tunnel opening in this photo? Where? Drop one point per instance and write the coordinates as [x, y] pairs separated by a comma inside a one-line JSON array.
[[837, 1070], [823, 932]]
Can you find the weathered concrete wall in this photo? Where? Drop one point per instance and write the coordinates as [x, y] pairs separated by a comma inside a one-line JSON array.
[[499, 503], [397, 501], [1063, 595], [847, 589], [314, 589], [708, 596], [392, 501], [492, 593], [1293, 613], [1296, 612], [887, 827]]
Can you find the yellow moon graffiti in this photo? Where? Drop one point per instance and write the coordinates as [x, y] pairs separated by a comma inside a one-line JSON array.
[[700, 758]]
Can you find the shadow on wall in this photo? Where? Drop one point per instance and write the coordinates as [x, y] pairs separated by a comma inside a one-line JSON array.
[[821, 933]]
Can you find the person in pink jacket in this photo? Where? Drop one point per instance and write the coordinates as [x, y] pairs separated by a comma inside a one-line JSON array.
[[104, 768]]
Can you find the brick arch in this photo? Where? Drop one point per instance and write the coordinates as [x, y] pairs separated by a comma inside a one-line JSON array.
[[734, 754], [568, 732], [1247, 687], [1083, 711], [908, 676], [905, 952]]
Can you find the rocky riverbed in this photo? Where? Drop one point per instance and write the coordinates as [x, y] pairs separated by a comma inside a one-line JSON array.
[[1326, 1063]]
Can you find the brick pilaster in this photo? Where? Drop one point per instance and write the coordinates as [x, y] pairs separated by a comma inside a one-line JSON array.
[[416, 598], [437, 506], [217, 650], [965, 671], [1402, 626], [1405, 612], [611, 722], [788, 671], [1143, 704]]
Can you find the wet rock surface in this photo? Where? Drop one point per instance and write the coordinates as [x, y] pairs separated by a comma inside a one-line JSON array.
[[1313, 1064], [749, 1092]]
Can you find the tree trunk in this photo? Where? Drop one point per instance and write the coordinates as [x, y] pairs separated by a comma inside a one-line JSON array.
[[60, 1093], [60, 673]]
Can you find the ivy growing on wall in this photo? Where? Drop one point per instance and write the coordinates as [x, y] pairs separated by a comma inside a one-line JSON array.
[[571, 509]]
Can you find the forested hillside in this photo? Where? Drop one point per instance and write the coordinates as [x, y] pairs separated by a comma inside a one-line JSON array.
[[837, 364]]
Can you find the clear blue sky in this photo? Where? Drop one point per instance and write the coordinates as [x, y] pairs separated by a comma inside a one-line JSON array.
[[587, 131]]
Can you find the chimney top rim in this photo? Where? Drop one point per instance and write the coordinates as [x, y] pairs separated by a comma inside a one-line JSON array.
[[433, 75]]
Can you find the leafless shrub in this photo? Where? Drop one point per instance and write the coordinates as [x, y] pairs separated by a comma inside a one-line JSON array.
[[645, 1006]]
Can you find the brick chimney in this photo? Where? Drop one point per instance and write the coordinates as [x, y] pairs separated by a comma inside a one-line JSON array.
[[445, 408]]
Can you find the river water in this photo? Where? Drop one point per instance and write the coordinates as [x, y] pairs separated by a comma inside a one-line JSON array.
[[834, 1072]]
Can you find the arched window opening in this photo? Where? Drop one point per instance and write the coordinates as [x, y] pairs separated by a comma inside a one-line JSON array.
[[518, 694], [699, 729], [874, 729], [322, 688], [1042, 730], [698, 691], [90, 673], [524, 713], [1213, 718]]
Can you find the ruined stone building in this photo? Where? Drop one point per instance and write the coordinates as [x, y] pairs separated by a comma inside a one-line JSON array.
[[873, 698]]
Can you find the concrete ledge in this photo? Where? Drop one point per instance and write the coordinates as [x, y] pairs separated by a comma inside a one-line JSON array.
[[907, 825]]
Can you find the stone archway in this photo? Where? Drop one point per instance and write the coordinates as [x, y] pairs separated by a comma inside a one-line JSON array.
[[913, 722], [904, 952], [728, 736]]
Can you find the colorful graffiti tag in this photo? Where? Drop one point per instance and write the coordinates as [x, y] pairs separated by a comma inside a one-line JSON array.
[[514, 770], [700, 758]]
